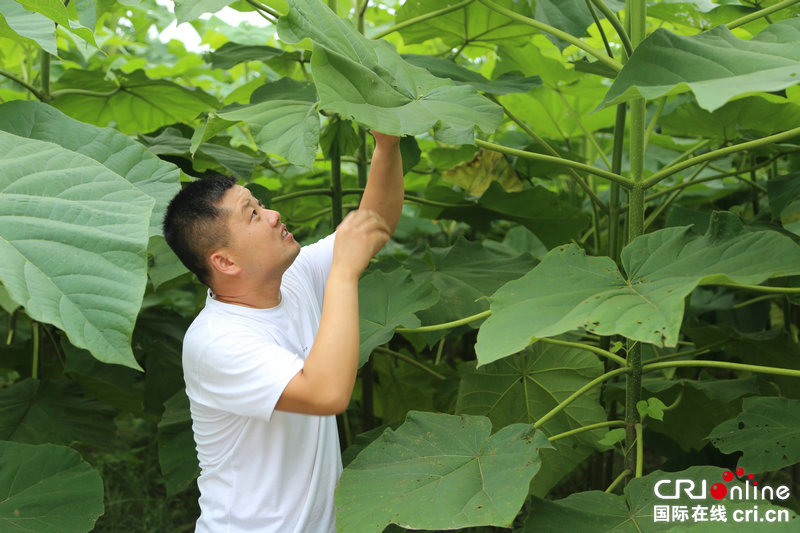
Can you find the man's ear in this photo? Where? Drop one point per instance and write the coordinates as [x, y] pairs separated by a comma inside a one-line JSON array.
[[223, 262]]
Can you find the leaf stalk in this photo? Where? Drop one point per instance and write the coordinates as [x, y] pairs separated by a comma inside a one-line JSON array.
[[564, 36], [616, 178]]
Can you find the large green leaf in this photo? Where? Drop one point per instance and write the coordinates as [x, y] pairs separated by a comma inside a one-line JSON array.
[[47, 489], [368, 82], [685, 424], [571, 16], [188, 10], [73, 238], [57, 412], [767, 432], [553, 221], [569, 290], [565, 112], [176, 447], [464, 274], [784, 200], [439, 471], [524, 387], [473, 23], [387, 301], [716, 66], [114, 150], [231, 54], [133, 103], [283, 119], [116, 385], [600, 512], [445, 68], [754, 115], [23, 26]]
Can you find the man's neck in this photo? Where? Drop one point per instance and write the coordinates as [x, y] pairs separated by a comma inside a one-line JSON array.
[[264, 297]]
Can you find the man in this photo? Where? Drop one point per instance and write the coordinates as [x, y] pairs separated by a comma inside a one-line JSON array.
[[268, 362]]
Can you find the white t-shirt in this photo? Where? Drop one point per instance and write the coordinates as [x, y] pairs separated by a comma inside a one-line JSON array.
[[261, 470]]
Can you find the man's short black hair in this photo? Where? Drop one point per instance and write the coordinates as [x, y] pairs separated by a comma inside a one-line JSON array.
[[194, 225]]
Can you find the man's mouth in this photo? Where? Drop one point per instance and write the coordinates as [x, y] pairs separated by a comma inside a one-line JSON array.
[[284, 232]]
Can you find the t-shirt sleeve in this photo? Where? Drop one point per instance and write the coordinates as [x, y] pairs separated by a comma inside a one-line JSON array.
[[315, 260], [244, 374]]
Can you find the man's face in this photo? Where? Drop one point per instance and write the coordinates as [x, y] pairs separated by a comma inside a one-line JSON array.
[[259, 242]]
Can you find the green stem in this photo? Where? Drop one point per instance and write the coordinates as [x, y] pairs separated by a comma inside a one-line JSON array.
[[544, 144], [266, 12], [594, 349], [45, 75], [446, 325], [654, 121], [756, 300], [616, 24], [336, 184], [409, 360], [666, 203], [84, 92], [697, 351], [362, 157], [616, 168], [577, 394], [600, 29], [589, 137], [433, 203], [714, 154], [347, 192], [35, 362], [422, 18], [300, 194], [758, 369], [636, 209], [33, 90], [625, 473], [639, 450], [439, 352], [758, 14], [616, 178], [674, 404], [576, 431], [760, 288], [602, 57]]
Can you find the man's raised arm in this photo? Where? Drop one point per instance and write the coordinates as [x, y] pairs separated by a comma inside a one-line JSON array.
[[384, 191]]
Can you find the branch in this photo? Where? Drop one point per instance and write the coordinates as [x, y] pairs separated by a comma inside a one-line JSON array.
[[446, 325], [578, 393], [758, 14], [577, 177], [723, 364], [409, 360], [603, 58], [599, 351], [25, 84], [614, 21], [714, 154], [616, 178], [422, 18], [610, 423], [625, 473], [760, 288]]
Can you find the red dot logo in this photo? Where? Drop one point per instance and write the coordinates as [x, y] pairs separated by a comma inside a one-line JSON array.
[[739, 471], [718, 491], [727, 475]]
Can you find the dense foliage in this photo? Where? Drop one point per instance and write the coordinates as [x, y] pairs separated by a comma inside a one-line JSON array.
[[593, 286]]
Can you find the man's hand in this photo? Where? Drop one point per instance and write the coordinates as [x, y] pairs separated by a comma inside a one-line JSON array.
[[359, 237]]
